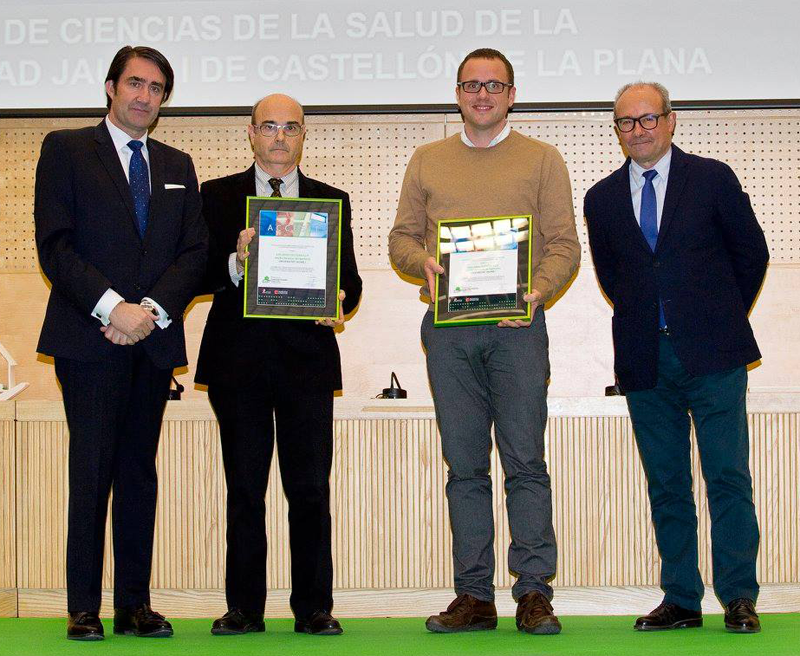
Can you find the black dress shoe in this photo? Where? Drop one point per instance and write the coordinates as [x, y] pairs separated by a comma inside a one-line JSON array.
[[741, 617], [84, 626], [320, 623], [669, 616], [142, 622], [237, 621]]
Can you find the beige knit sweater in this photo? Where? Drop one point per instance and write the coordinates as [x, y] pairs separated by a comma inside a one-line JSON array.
[[449, 180]]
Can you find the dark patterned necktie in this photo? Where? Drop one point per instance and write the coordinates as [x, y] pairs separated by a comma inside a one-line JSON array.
[[140, 185], [275, 183]]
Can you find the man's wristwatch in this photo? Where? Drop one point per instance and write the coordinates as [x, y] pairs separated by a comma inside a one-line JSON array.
[[147, 304]]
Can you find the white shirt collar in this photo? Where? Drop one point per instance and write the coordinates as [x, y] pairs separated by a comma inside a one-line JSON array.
[[503, 134], [662, 166], [287, 180], [120, 137]]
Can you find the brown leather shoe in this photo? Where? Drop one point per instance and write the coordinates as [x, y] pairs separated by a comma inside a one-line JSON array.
[[84, 626], [535, 615], [669, 616], [741, 617], [465, 613]]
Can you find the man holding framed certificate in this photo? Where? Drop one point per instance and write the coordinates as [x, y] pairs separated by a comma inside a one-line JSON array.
[[270, 360], [485, 204]]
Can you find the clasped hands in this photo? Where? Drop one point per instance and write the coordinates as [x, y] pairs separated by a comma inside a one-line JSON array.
[[129, 323], [432, 267], [245, 237]]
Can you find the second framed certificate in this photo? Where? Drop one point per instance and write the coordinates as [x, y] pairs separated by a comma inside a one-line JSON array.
[[487, 270], [293, 268]]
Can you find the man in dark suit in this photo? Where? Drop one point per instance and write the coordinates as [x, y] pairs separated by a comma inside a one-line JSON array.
[[261, 371], [679, 253], [121, 239]]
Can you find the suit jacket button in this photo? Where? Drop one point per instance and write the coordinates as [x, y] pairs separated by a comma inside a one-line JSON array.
[[656, 263]]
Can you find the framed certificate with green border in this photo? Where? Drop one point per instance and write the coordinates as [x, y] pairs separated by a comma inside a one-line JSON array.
[[292, 271], [487, 270]]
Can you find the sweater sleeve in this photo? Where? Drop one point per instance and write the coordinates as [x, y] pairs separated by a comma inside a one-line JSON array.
[[562, 251], [407, 237]]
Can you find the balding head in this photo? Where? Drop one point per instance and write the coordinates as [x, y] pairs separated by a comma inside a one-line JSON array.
[[277, 152], [276, 102]]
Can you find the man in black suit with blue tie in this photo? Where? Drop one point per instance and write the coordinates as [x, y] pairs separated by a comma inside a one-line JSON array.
[[122, 241], [679, 253]]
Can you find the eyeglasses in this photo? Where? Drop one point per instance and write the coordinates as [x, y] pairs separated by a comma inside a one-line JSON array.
[[271, 129], [492, 86], [648, 122]]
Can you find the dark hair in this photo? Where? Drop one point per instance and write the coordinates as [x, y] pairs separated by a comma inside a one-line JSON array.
[[487, 53], [127, 53]]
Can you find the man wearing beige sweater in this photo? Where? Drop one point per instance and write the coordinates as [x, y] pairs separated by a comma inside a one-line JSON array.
[[494, 374]]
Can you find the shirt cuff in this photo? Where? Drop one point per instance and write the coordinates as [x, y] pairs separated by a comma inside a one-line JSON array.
[[163, 318], [236, 277], [108, 301]]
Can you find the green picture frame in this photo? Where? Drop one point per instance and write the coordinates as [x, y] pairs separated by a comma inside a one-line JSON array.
[[263, 300], [461, 310]]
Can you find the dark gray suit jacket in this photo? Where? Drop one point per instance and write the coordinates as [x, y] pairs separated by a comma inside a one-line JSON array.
[[88, 241]]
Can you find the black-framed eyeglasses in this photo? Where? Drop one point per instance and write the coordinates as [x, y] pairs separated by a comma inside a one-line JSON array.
[[271, 129], [648, 122], [492, 86]]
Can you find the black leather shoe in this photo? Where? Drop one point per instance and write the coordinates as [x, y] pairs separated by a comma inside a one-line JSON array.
[[84, 626], [741, 617], [237, 621], [142, 622], [669, 616], [320, 623]]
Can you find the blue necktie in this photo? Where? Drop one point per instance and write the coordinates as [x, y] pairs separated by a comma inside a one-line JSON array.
[[648, 217], [140, 185]]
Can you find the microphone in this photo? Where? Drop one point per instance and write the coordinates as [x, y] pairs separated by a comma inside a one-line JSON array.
[[393, 392]]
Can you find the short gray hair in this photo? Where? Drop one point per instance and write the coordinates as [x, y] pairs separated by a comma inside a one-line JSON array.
[[666, 105]]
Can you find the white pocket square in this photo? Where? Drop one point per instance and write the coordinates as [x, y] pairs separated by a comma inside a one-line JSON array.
[[169, 185]]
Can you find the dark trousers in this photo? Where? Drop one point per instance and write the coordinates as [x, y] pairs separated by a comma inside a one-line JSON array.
[[303, 429], [114, 410], [482, 377], [661, 423]]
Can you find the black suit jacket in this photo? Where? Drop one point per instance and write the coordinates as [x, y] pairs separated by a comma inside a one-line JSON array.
[[88, 241], [708, 265], [234, 349]]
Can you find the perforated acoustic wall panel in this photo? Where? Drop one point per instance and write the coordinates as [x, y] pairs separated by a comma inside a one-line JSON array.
[[367, 155], [763, 148]]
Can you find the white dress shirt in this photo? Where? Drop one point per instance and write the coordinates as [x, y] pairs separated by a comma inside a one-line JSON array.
[[290, 188], [503, 134], [659, 184], [110, 299]]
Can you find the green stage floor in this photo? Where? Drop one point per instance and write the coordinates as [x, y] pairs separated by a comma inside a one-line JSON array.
[[603, 636]]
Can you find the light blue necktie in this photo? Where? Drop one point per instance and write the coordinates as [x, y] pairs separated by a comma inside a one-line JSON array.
[[648, 218], [140, 185]]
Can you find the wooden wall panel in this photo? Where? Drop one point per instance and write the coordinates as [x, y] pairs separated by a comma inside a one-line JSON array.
[[390, 523], [8, 524]]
